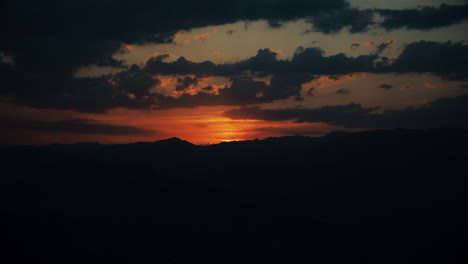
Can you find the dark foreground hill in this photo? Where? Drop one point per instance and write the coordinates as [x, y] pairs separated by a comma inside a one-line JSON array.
[[395, 196]]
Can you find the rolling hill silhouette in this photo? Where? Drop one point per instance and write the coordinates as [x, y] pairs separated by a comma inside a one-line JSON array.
[[385, 196]]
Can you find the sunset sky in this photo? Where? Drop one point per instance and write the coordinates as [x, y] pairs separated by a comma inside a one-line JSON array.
[[212, 71]]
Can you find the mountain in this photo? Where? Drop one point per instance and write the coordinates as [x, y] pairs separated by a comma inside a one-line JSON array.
[[385, 196]]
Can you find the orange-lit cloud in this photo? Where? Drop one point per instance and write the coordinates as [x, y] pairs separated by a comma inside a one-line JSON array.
[[128, 47], [324, 81], [405, 88], [369, 44], [179, 34], [202, 36], [277, 51], [388, 43], [156, 54], [169, 83], [430, 85]]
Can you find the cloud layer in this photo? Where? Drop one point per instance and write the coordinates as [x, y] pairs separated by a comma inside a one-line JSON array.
[[441, 113], [74, 126], [131, 88]]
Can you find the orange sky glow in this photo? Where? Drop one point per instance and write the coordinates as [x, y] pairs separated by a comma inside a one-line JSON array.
[[202, 125]]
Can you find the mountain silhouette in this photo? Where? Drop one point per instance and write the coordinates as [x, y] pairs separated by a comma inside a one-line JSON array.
[[385, 196]]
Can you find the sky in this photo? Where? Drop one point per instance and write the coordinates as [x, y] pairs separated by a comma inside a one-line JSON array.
[[213, 71]]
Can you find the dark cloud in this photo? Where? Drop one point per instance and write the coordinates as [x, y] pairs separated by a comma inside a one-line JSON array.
[[265, 62], [314, 61], [138, 82], [208, 88], [299, 98], [186, 82], [449, 60], [333, 21], [293, 131], [360, 20], [334, 115], [275, 24], [343, 91], [49, 39], [157, 65], [284, 86], [386, 86], [131, 88], [57, 28], [423, 18], [382, 46], [74, 126], [354, 46], [441, 113], [240, 92]]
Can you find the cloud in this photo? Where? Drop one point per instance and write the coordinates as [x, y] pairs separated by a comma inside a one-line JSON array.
[[440, 113], [50, 40], [202, 36], [423, 18], [74, 126], [386, 86], [446, 59], [333, 21], [58, 45], [361, 20], [354, 46], [287, 85], [343, 91], [241, 92], [63, 34], [186, 82], [430, 85], [382, 46], [131, 88], [273, 23], [266, 62], [327, 114], [311, 130]]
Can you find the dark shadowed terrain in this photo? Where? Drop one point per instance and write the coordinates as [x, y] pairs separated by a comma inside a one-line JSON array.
[[396, 196]]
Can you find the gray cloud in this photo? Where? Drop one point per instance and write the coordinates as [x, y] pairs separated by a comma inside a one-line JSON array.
[[333, 21], [386, 86], [423, 18], [343, 91], [441, 113], [448, 60], [361, 20], [186, 82]]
